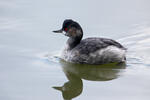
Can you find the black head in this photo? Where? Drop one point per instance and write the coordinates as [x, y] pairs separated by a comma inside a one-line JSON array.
[[71, 28]]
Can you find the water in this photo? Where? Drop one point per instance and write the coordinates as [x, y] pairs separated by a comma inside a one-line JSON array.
[[29, 69]]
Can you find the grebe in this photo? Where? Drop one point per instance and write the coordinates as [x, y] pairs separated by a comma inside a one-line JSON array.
[[93, 50]]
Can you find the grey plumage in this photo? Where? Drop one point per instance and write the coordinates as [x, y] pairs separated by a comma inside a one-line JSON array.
[[90, 45]]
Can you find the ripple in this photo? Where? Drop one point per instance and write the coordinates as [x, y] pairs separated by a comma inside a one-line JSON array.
[[138, 47], [138, 36], [51, 57], [54, 56]]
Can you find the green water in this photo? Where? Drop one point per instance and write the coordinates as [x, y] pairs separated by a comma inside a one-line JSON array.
[[29, 69]]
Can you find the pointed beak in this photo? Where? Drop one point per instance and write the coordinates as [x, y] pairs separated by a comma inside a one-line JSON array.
[[58, 88], [58, 31]]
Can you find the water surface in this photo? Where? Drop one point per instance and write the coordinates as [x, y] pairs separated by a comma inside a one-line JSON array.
[[30, 71]]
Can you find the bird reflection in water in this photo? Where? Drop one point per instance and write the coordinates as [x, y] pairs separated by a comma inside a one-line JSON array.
[[76, 72]]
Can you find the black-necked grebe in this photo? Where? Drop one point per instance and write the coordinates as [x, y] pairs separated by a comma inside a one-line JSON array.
[[92, 50]]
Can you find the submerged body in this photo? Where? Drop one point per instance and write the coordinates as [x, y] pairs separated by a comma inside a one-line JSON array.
[[92, 50]]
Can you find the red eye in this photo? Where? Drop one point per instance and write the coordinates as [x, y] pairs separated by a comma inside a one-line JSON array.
[[66, 29]]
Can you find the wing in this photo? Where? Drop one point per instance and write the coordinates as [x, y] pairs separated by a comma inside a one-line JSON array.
[[90, 45]]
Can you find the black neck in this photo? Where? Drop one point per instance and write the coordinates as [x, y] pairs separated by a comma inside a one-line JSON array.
[[74, 41]]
